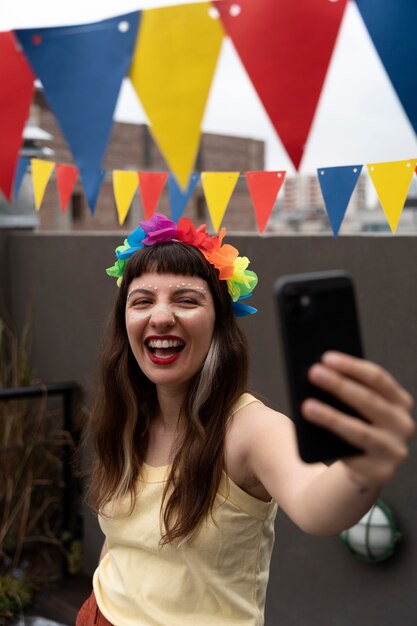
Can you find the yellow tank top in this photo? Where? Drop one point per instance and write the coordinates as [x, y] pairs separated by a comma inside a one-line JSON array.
[[217, 578]]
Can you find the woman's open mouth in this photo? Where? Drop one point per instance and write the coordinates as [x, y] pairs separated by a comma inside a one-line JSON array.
[[164, 351]]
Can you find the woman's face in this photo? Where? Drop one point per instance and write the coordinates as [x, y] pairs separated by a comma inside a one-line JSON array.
[[170, 322]]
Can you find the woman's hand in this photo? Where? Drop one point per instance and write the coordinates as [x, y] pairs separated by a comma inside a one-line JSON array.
[[375, 395]]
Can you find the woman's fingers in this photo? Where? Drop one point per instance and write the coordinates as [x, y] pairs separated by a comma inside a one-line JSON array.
[[375, 395], [371, 375], [376, 442], [368, 402]]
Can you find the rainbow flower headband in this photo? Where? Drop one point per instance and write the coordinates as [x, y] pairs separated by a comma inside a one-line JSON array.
[[224, 257]]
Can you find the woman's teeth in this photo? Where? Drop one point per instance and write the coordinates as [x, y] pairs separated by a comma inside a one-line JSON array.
[[165, 347], [165, 343]]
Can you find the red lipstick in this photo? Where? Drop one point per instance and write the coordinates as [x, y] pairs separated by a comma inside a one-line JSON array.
[[160, 361]]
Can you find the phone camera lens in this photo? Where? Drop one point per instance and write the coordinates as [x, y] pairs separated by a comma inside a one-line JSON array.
[[305, 300]]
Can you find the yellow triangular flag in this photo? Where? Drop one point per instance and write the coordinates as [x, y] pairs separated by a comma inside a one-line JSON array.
[[392, 181], [218, 188], [124, 187], [172, 69], [41, 173]]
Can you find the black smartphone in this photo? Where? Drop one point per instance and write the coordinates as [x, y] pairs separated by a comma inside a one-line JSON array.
[[317, 313]]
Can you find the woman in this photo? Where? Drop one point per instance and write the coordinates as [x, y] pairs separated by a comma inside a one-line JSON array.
[[190, 468]]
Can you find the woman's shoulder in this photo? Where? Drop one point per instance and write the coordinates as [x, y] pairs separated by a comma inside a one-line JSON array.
[[250, 414], [251, 424], [248, 404], [244, 400]]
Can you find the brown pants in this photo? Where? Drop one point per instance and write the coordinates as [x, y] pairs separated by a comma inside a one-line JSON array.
[[90, 615]]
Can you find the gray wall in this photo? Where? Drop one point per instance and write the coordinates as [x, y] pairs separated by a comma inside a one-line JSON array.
[[59, 280], [5, 281]]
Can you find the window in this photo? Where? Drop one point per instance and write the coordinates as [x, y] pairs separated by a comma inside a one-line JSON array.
[[77, 208]]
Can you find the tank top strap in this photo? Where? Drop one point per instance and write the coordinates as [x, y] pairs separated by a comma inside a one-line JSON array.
[[243, 400]]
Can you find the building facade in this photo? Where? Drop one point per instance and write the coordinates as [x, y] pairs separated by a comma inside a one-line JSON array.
[[131, 147]]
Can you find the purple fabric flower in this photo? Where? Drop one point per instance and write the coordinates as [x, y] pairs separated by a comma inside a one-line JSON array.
[[159, 228]]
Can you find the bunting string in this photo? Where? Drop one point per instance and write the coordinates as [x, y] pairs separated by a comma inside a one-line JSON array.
[[171, 55]]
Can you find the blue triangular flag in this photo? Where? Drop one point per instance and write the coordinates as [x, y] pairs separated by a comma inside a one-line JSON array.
[[81, 69], [21, 169], [92, 187], [337, 185], [392, 27], [177, 197]]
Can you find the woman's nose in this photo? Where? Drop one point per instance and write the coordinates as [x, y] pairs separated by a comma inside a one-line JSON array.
[[162, 315]]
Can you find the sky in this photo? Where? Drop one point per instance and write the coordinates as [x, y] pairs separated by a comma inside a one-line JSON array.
[[359, 118]]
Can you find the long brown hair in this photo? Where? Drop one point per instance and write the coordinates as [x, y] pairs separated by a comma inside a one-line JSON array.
[[126, 402]]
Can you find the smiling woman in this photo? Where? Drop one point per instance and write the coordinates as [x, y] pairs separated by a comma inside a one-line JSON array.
[[190, 467]]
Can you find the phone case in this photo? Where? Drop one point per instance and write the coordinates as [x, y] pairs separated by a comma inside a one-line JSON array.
[[317, 313]]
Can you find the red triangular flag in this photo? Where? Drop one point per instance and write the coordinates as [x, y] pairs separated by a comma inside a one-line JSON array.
[[264, 188], [286, 47], [16, 80], [66, 177], [151, 185]]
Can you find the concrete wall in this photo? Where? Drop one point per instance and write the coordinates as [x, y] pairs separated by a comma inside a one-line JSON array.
[[60, 279], [5, 281]]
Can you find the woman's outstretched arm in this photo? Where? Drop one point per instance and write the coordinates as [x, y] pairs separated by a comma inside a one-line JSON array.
[[325, 500]]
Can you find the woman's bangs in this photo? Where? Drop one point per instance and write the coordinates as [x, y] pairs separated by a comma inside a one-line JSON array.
[[167, 258]]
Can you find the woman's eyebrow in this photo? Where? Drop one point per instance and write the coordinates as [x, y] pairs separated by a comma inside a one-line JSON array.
[[140, 290], [197, 291]]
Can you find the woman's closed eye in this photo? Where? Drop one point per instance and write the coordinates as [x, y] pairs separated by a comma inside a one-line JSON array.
[[188, 302], [140, 302]]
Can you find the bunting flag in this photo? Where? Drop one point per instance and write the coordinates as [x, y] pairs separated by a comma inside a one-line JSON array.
[[21, 170], [92, 187], [178, 199], [264, 188], [16, 92], [218, 188], [392, 27], [41, 173], [337, 185], [124, 187], [172, 70], [286, 48], [66, 177], [392, 181], [81, 69], [151, 185]]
